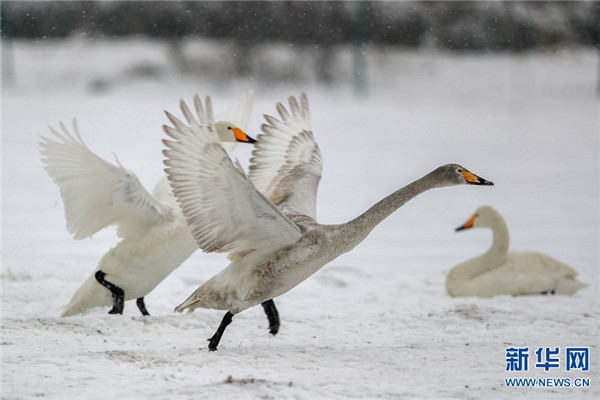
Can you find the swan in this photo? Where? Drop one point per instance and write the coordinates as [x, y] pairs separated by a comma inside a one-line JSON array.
[[498, 272], [266, 220], [155, 238]]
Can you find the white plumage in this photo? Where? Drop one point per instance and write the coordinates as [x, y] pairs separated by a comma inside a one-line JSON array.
[[266, 220], [97, 193], [498, 271]]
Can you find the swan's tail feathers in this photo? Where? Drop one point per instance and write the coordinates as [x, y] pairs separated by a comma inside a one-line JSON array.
[[190, 304], [569, 286], [89, 295], [73, 309], [202, 298]]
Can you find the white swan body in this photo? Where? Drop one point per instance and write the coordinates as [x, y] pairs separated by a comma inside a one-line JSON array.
[[139, 262], [266, 220], [96, 193], [498, 272]]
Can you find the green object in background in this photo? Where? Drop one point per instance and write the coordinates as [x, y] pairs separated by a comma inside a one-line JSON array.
[[360, 49]]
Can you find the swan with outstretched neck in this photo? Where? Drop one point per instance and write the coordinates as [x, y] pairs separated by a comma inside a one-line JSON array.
[[97, 193], [266, 220], [498, 271]]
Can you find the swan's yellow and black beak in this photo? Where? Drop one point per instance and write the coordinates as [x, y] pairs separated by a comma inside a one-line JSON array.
[[473, 179], [241, 136], [468, 224]]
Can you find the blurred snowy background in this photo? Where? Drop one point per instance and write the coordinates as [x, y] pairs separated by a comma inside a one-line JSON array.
[[282, 42], [508, 89]]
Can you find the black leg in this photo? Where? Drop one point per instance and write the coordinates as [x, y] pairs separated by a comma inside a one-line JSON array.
[[273, 315], [214, 341], [117, 293], [142, 306]]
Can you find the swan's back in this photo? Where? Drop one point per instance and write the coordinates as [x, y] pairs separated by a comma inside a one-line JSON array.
[[522, 273], [561, 278]]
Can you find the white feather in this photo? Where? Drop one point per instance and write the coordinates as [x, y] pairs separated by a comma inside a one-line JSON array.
[[286, 165], [226, 212], [498, 271], [96, 193], [275, 242]]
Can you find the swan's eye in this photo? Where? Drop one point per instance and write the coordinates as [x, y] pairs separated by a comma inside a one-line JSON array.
[[459, 170], [229, 127]]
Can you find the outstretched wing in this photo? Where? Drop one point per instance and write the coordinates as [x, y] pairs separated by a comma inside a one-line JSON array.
[[225, 211], [95, 192], [286, 163], [239, 112]]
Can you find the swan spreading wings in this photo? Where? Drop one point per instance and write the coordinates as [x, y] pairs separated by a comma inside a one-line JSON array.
[[98, 193], [234, 213], [266, 220]]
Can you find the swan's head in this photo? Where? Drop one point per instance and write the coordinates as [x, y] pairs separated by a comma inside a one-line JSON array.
[[484, 217], [454, 174], [228, 132]]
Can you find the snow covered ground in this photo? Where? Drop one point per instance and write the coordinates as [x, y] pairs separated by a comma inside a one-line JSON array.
[[375, 323]]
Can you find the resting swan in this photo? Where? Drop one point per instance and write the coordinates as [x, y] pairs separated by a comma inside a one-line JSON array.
[[498, 272], [266, 220], [97, 193]]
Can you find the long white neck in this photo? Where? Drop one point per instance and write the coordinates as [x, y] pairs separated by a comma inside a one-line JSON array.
[[496, 254], [494, 257], [350, 234]]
